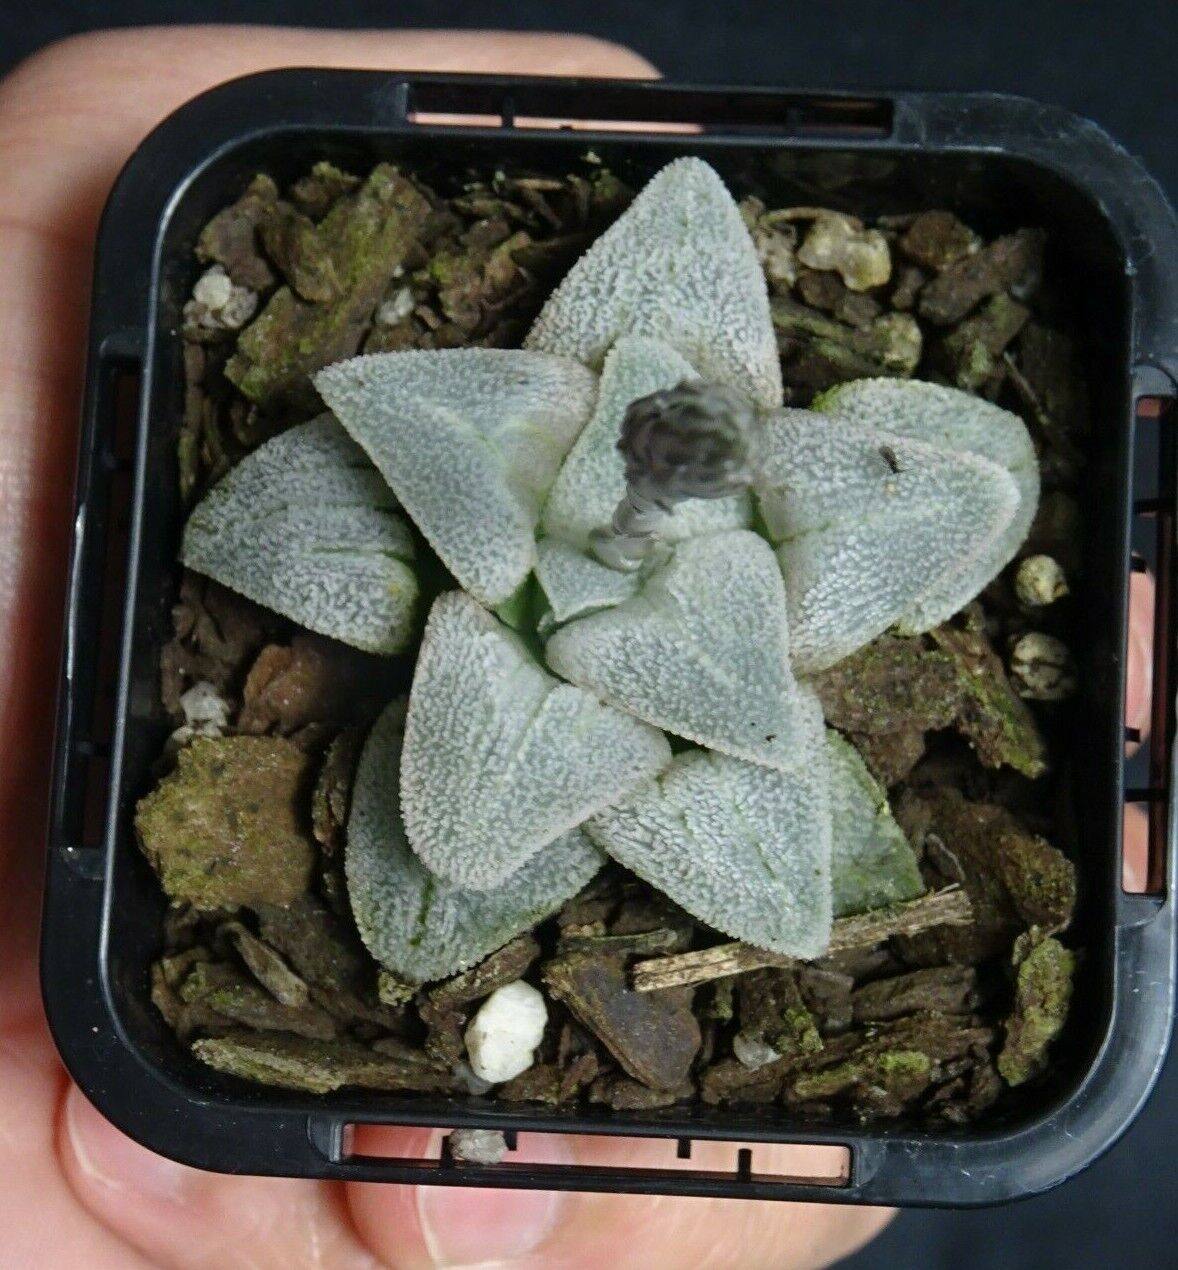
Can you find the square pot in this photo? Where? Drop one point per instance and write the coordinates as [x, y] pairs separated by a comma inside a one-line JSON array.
[[999, 161]]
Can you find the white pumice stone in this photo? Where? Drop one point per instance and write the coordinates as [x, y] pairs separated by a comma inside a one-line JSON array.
[[213, 288], [217, 304], [396, 308], [752, 1052], [502, 1037], [478, 1146], [1040, 580], [860, 256], [205, 711], [1042, 668]]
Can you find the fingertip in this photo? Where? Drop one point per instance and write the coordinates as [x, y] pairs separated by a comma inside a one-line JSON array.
[[114, 1169], [1139, 656], [183, 1217], [445, 1225], [1135, 850]]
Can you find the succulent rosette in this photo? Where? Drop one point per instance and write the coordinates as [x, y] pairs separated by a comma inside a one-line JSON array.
[[620, 667]]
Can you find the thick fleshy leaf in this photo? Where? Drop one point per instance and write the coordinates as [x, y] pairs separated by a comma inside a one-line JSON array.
[[702, 650], [577, 583], [957, 421], [416, 924], [592, 480], [871, 861], [744, 848], [470, 439], [306, 526], [500, 757], [679, 265], [864, 522]]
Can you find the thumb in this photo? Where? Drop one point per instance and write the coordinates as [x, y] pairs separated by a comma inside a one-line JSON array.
[[579, 1231], [185, 1219]]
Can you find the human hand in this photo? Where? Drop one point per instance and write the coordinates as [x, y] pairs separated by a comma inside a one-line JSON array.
[[1138, 706], [74, 1190]]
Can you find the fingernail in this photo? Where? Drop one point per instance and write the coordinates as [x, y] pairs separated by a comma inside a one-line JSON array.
[[469, 1226], [110, 1158]]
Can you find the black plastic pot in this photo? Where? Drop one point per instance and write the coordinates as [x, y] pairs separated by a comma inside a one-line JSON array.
[[1001, 162]]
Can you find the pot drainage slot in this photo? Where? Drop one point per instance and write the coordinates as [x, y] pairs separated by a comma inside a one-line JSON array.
[[96, 604], [588, 1161], [638, 106], [1149, 724]]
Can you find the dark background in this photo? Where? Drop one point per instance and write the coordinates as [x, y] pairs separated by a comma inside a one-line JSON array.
[[1112, 62]]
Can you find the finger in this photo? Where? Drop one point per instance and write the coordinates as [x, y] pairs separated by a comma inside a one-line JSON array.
[[41, 1222], [577, 1231], [41, 333], [1139, 656], [69, 118], [1135, 849], [88, 101], [185, 1219], [456, 1226]]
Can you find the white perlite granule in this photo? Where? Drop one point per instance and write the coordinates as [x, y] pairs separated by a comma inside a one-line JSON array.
[[502, 1037], [478, 1146]]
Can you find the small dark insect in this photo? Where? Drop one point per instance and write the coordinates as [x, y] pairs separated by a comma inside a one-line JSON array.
[[889, 457], [770, 736]]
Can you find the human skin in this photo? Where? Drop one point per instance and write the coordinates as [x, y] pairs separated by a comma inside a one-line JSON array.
[[74, 1190]]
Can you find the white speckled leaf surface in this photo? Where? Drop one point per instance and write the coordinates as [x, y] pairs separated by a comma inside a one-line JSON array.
[[702, 650], [306, 526], [416, 924], [871, 861], [592, 480], [576, 583], [963, 423], [744, 848], [501, 758], [860, 542], [470, 440], [678, 265]]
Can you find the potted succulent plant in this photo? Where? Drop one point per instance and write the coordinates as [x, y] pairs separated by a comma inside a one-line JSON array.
[[584, 693]]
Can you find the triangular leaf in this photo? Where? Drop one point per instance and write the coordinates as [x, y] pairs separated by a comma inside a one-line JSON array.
[[865, 522], [679, 265], [417, 925], [306, 526], [872, 862], [500, 757], [702, 650], [957, 421], [593, 478], [470, 439], [744, 848], [576, 583]]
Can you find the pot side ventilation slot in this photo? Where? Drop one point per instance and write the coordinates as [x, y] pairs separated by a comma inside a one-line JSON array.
[[607, 1162], [1148, 751], [96, 603], [641, 106]]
